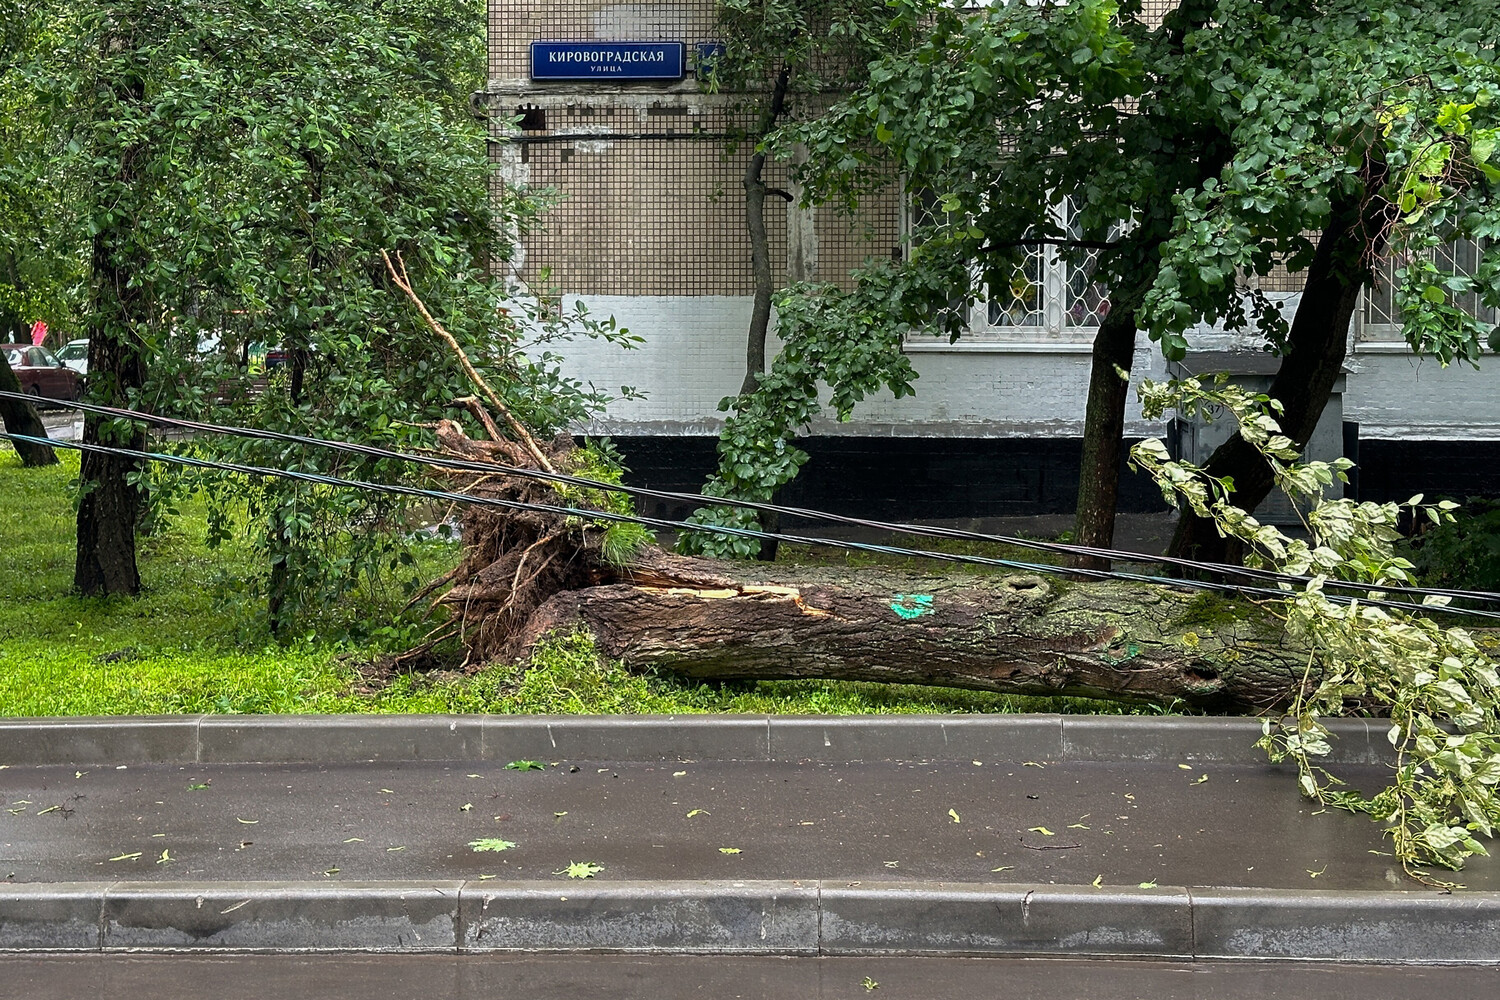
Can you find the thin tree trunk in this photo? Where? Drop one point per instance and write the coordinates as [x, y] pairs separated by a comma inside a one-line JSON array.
[[280, 580], [1020, 635], [1114, 348], [760, 266], [1317, 345], [760, 249], [1104, 433], [21, 418]]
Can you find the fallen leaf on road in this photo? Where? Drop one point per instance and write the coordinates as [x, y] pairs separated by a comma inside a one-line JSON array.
[[698, 812], [729, 850], [525, 765], [126, 857], [491, 844], [1042, 830], [954, 816], [580, 869]]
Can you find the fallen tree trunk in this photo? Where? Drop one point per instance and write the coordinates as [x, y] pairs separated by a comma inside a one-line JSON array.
[[527, 574], [1014, 634], [534, 563]]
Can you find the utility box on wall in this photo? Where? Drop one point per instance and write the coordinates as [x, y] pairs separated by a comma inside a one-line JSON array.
[[1196, 439]]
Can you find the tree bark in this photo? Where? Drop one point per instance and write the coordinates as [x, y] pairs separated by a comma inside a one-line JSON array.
[[526, 574], [760, 266], [1104, 434], [1016, 634], [109, 504], [21, 418], [280, 579], [760, 249], [1316, 348]]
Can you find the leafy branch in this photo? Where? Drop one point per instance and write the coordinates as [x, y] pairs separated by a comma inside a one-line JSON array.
[[1438, 686]]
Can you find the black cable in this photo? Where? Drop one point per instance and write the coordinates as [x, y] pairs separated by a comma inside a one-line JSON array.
[[463, 498], [486, 468]]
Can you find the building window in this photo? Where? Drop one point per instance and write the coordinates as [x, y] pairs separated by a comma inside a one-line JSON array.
[[1048, 300], [1380, 318]]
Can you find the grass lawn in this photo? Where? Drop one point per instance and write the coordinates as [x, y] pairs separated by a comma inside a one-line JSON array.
[[195, 641]]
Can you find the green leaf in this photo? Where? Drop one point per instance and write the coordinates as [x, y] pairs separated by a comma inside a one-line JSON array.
[[580, 869], [490, 844], [525, 765]]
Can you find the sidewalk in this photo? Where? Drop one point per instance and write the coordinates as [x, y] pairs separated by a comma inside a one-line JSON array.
[[934, 835]]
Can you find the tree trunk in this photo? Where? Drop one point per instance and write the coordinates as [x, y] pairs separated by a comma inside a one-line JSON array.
[[760, 249], [1316, 347], [1104, 434], [109, 505], [20, 418], [765, 282], [277, 588], [526, 574], [1014, 634]]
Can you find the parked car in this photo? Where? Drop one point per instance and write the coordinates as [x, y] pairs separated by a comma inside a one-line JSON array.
[[75, 354], [40, 373]]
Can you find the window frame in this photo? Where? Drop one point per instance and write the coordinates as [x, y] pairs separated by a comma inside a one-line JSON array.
[[1052, 332]]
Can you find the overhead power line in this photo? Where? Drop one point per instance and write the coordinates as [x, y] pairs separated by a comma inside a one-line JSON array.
[[609, 516], [698, 499]]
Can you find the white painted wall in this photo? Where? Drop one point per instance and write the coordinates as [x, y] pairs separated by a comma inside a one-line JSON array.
[[694, 356]]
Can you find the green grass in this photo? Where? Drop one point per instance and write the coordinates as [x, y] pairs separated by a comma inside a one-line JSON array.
[[195, 641]]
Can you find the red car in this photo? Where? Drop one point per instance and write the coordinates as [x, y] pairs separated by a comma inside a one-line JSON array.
[[40, 373]]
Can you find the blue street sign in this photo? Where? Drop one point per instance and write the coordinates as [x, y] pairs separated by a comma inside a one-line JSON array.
[[606, 60]]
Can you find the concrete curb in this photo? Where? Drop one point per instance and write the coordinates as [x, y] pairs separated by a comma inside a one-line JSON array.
[[237, 739], [759, 918]]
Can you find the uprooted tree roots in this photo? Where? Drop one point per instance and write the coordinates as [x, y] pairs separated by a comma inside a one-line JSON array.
[[525, 574]]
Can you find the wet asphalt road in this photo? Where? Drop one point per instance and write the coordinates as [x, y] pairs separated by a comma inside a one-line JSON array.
[[1065, 823], [621, 977]]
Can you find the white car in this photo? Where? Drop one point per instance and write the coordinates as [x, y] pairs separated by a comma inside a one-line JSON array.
[[75, 354]]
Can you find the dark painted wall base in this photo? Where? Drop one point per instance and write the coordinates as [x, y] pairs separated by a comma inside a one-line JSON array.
[[1394, 470], [909, 478], [898, 478]]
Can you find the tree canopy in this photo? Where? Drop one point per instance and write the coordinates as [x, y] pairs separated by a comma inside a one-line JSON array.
[[229, 175], [1198, 150]]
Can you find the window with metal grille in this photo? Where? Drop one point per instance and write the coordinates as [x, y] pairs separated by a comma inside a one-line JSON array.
[[1379, 315], [1051, 296]]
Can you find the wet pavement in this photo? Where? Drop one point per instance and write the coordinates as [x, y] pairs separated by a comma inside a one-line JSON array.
[[618, 977], [1038, 822]]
